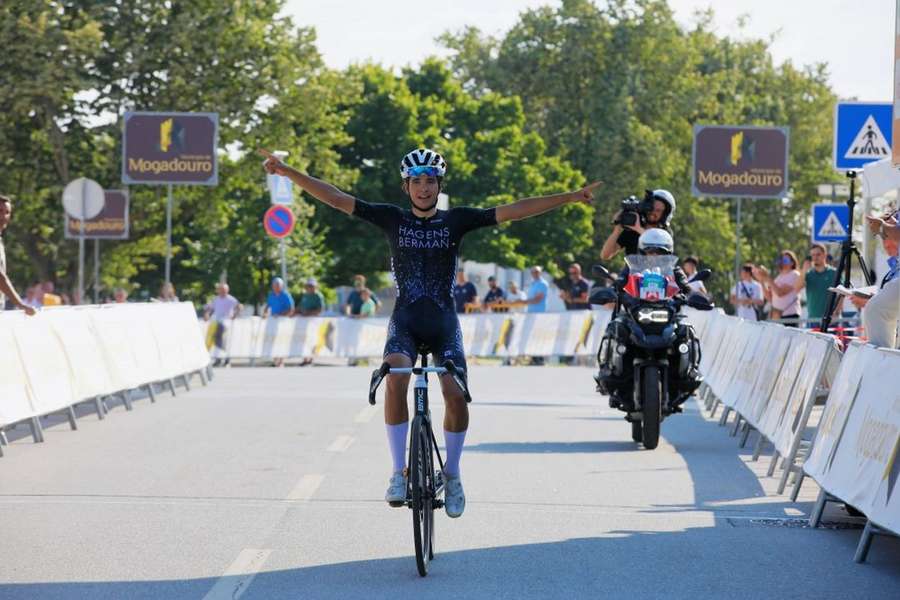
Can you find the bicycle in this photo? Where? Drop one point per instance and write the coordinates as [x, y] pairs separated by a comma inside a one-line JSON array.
[[425, 486]]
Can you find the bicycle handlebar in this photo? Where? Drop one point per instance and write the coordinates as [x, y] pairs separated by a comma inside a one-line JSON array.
[[448, 368]]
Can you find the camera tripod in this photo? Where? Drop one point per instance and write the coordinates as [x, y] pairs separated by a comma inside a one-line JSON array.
[[848, 250]]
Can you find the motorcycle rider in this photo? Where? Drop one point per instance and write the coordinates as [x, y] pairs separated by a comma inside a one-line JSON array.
[[653, 242]]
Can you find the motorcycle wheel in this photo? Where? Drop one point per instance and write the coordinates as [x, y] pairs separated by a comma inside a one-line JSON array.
[[651, 403], [637, 431]]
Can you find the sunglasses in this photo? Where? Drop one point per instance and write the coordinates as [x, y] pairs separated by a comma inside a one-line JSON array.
[[417, 171]]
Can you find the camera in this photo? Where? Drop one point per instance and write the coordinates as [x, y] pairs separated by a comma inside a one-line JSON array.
[[634, 210]]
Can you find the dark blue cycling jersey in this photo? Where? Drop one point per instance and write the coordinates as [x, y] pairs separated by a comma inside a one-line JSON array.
[[424, 252]]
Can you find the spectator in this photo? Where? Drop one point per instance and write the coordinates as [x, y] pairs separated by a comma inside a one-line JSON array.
[[576, 297], [516, 297], [881, 312], [495, 293], [537, 292], [279, 302], [785, 300], [747, 295], [464, 292], [354, 300], [6, 286], [34, 295], [50, 298], [367, 308], [312, 302], [167, 293], [120, 296], [222, 308], [817, 280], [691, 265]]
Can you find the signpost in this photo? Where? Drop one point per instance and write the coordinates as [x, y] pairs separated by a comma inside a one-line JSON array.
[[171, 148], [111, 223], [83, 199], [831, 223], [279, 223], [740, 162], [862, 133]]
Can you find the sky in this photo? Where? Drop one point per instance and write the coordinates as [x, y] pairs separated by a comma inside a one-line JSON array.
[[854, 37]]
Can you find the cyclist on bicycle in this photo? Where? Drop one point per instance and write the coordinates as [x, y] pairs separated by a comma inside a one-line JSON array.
[[425, 246]]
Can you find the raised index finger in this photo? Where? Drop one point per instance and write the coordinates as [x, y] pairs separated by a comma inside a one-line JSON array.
[[593, 186], [266, 153]]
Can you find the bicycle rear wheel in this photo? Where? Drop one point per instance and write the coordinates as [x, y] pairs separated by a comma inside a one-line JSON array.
[[421, 479]]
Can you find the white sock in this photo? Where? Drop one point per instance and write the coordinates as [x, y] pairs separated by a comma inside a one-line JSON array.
[[454, 441], [397, 441]]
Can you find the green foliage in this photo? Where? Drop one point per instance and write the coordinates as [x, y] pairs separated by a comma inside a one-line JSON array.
[[616, 89], [492, 161], [571, 93]]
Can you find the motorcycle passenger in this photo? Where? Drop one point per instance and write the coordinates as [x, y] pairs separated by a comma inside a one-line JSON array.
[[658, 209]]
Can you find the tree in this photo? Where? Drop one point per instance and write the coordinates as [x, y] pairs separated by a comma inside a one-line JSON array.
[[492, 160], [616, 90]]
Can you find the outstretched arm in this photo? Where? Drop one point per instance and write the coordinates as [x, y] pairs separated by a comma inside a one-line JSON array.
[[318, 189], [530, 207]]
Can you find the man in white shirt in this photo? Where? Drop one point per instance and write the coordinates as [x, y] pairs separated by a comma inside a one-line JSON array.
[[222, 308], [747, 295]]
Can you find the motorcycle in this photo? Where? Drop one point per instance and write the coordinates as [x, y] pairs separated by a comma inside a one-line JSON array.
[[649, 356]]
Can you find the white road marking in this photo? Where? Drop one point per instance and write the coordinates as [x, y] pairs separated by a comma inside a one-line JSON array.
[[237, 578], [306, 487], [341, 443], [366, 414]]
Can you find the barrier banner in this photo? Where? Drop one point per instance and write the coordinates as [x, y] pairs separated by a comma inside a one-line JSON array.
[[865, 469], [818, 351], [46, 365], [781, 394], [834, 417], [15, 393], [573, 333], [73, 330]]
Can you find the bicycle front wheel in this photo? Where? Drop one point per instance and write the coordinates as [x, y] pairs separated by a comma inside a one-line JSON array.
[[421, 479]]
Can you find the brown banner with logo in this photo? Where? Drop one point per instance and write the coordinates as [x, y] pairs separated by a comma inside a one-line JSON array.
[[110, 224], [178, 148], [740, 161]]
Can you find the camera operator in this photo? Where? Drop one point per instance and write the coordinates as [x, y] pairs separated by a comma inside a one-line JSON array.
[[636, 217]]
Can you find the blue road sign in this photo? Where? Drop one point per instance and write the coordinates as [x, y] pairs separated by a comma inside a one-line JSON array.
[[831, 222], [862, 133], [281, 189]]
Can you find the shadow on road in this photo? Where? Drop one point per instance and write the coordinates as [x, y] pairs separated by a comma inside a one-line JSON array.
[[553, 447], [692, 563]]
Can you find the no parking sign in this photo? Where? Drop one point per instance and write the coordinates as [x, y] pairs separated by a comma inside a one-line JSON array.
[[279, 221]]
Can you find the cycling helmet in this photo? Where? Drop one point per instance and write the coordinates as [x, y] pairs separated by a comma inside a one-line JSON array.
[[666, 197], [656, 239], [423, 162]]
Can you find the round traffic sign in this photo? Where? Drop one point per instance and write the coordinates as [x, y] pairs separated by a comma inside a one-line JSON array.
[[279, 221], [83, 198]]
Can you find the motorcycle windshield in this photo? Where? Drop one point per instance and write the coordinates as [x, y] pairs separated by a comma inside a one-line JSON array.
[[651, 274], [661, 265]]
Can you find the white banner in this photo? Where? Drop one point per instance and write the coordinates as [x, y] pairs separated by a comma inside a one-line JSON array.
[[571, 333], [63, 356]]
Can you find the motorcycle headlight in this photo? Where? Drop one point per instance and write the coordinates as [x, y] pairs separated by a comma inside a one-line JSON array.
[[652, 315]]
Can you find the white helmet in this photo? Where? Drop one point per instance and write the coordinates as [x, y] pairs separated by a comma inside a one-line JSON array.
[[423, 162], [666, 197], [657, 239]]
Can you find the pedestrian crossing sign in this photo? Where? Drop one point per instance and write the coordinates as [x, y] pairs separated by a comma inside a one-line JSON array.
[[862, 133], [830, 222], [281, 189]]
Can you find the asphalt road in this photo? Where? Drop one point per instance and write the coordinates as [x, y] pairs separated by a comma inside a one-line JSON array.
[[269, 484]]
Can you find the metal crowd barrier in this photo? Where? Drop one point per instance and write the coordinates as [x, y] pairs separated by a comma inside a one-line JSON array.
[[772, 378], [64, 357]]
